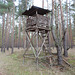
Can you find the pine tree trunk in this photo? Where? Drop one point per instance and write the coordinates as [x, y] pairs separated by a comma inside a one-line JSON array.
[[19, 33], [65, 46], [63, 32], [60, 27], [24, 37], [59, 53], [16, 37], [8, 33], [42, 3], [12, 43], [68, 42], [71, 40], [5, 39], [3, 18], [57, 44]]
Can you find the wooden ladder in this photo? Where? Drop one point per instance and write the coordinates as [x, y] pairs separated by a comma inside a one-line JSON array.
[[46, 45]]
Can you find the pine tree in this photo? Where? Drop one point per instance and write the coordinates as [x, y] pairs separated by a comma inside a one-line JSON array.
[[3, 10], [57, 40]]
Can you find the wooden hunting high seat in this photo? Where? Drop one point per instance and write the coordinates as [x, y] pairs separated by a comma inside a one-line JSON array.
[[37, 19], [38, 23]]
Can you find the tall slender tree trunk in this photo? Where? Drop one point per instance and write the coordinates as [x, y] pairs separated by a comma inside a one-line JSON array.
[[5, 39], [26, 3], [68, 43], [8, 32], [3, 19], [63, 32], [16, 37], [60, 27], [57, 44], [7, 36], [19, 34], [47, 4], [56, 19], [25, 33], [13, 23], [71, 39], [42, 3], [24, 37]]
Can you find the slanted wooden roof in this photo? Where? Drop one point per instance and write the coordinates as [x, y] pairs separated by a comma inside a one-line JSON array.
[[33, 9]]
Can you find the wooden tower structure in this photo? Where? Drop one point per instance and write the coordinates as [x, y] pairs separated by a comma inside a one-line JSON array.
[[38, 23]]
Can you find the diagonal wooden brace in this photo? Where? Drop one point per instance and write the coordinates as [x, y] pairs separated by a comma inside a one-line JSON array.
[[42, 46], [31, 44]]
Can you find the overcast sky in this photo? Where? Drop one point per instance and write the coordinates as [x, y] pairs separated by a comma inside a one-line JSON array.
[[39, 3]]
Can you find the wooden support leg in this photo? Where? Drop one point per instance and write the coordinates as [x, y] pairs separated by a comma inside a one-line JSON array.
[[37, 47], [31, 44], [26, 48]]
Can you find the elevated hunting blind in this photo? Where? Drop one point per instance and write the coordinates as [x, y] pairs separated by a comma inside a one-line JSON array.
[[38, 23]]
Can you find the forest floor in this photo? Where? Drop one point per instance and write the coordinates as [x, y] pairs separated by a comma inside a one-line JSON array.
[[12, 64]]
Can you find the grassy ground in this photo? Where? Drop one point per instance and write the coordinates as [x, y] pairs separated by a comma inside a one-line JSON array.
[[12, 64]]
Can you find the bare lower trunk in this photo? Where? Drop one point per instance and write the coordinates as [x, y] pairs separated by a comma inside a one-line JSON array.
[[24, 41], [3, 33], [6, 30], [59, 52], [63, 30], [65, 45], [12, 41], [57, 41], [68, 40], [60, 27], [8, 33], [59, 48], [71, 40], [19, 33]]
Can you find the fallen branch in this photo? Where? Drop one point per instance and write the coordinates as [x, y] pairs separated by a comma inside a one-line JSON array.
[[67, 62]]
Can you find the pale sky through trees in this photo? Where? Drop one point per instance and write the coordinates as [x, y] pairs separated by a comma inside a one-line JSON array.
[[39, 3]]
